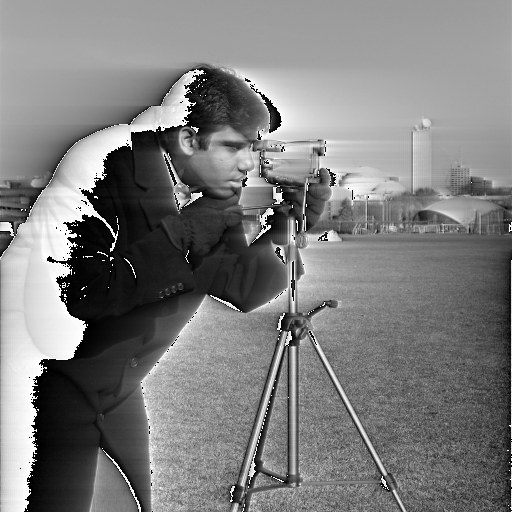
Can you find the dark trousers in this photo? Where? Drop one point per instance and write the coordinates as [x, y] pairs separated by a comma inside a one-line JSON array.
[[67, 442], [68, 435]]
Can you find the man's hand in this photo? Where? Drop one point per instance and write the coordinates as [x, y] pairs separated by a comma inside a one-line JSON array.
[[201, 224], [318, 194], [206, 219]]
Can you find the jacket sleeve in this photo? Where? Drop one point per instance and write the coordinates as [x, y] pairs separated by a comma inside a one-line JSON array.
[[245, 276], [106, 282]]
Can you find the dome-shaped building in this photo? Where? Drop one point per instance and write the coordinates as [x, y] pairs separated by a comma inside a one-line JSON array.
[[368, 181], [363, 180], [462, 210], [387, 189]]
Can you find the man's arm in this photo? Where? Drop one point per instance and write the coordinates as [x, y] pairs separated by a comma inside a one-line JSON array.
[[246, 276], [249, 277], [106, 282]]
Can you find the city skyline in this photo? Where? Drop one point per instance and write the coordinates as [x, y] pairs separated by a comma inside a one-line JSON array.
[[359, 74]]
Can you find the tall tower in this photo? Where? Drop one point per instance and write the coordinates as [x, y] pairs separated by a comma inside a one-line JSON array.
[[422, 156], [460, 178]]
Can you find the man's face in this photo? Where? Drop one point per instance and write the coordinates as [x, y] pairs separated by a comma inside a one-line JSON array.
[[219, 170]]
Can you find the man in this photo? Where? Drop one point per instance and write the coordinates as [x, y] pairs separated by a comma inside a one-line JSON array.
[[118, 261]]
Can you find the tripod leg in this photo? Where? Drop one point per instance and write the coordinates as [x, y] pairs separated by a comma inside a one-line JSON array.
[[293, 477], [258, 461], [238, 492], [259, 467], [388, 478]]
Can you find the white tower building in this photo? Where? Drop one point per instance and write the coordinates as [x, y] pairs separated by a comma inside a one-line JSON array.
[[422, 156]]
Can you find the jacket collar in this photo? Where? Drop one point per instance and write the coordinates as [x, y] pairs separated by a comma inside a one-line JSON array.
[[149, 165], [152, 176]]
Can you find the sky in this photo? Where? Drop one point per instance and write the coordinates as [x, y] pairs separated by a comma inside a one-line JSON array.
[[358, 73]]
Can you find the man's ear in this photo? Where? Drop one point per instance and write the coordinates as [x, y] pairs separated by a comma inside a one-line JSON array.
[[187, 140]]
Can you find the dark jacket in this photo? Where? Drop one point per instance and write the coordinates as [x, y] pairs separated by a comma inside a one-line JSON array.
[[136, 291]]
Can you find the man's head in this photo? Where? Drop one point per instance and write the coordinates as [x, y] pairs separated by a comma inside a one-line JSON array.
[[221, 98], [217, 170], [225, 114]]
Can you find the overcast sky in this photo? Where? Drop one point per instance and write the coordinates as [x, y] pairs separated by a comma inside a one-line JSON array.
[[359, 73]]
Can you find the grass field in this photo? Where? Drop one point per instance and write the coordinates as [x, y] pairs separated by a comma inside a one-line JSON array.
[[421, 345]]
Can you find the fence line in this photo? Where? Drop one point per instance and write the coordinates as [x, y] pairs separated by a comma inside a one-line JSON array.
[[372, 226], [490, 223]]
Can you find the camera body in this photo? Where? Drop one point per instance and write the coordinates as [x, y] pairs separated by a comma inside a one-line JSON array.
[[297, 160]]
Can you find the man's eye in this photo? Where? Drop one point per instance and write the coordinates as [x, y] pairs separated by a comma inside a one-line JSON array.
[[234, 147]]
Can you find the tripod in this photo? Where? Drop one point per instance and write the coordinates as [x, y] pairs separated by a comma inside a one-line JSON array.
[[294, 327]]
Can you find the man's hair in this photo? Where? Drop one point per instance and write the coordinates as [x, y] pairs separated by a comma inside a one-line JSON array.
[[219, 97]]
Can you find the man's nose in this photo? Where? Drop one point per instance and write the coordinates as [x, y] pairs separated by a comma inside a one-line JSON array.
[[246, 162]]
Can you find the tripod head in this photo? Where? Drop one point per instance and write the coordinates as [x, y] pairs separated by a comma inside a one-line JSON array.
[[299, 324]]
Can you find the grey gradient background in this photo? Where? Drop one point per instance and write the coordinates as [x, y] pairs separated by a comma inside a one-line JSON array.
[[359, 73]]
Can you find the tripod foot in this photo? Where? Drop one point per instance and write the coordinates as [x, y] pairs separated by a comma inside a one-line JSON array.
[[238, 498], [237, 494], [389, 483]]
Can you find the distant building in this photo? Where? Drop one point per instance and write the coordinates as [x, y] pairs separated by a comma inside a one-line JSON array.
[[459, 178], [363, 182], [387, 190], [466, 211], [479, 186], [16, 199], [421, 172], [368, 183], [502, 183]]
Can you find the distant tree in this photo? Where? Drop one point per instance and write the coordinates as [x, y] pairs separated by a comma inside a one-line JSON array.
[[405, 206], [345, 212], [426, 191], [499, 191], [465, 190], [400, 197]]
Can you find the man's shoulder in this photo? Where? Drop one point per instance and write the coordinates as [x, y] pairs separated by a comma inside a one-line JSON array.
[[120, 154], [83, 164], [103, 141]]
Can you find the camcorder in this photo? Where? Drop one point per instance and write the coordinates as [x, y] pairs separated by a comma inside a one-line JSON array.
[[282, 165], [295, 160], [280, 162]]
